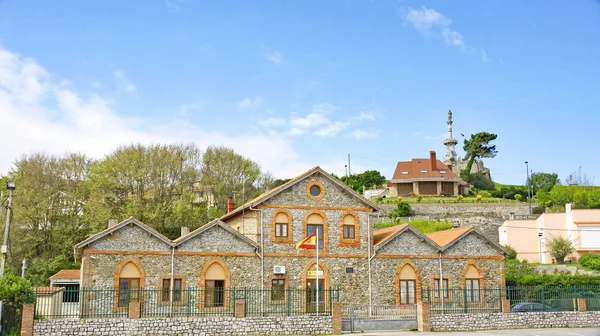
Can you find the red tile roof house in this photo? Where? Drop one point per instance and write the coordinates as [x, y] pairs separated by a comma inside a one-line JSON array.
[[427, 177]]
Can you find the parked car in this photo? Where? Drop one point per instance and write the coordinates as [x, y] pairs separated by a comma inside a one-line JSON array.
[[531, 307]]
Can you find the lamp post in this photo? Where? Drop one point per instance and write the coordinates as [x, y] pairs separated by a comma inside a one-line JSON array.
[[540, 235], [11, 188], [528, 187]]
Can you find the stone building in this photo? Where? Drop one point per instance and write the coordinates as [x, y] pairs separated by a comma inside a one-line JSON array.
[[252, 246]]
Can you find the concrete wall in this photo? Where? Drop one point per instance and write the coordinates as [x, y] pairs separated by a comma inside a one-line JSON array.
[[472, 322], [294, 325]]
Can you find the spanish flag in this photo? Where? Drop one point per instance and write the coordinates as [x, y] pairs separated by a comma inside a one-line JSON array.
[[309, 242]]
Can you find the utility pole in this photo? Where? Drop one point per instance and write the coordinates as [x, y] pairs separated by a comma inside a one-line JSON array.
[[528, 187], [349, 172], [11, 187], [23, 267]]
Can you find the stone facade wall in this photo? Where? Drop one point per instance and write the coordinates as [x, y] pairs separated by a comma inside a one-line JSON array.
[[472, 245], [408, 243], [293, 325], [129, 236], [472, 322], [247, 224], [216, 239]]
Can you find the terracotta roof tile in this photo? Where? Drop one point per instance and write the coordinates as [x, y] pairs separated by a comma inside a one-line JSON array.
[[66, 274], [443, 238], [421, 168], [382, 235], [587, 222]]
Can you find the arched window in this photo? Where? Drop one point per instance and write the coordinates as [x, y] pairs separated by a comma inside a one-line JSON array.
[[129, 284], [315, 223], [408, 285], [281, 227], [349, 229], [472, 277], [214, 280]]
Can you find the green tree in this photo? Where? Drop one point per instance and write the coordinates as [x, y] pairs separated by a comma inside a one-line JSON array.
[[478, 147], [512, 253], [49, 214], [560, 247], [367, 179], [14, 290], [153, 183], [478, 180], [228, 174], [402, 210], [543, 181], [578, 178]]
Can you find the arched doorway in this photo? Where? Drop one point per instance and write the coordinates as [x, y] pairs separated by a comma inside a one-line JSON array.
[[129, 278], [316, 299], [214, 280]]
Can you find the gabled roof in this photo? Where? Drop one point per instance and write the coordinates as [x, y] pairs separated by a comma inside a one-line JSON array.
[[216, 222], [124, 223], [448, 238], [384, 236], [443, 238], [66, 274], [418, 169], [275, 191]]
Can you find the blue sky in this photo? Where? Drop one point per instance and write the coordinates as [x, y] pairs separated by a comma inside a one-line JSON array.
[[297, 84]]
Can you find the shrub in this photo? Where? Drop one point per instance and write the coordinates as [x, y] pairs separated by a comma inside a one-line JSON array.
[[402, 210], [512, 253], [479, 197], [538, 210], [459, 197], [590, 260], [518, 197], [548, 203], [412, 194], [419, 198], [480, 181], [560, 247], [486, 193]]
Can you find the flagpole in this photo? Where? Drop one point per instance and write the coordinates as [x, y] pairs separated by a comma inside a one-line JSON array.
[[317, 286]]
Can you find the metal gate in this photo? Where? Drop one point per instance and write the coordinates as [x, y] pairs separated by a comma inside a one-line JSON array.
[[357, 317]]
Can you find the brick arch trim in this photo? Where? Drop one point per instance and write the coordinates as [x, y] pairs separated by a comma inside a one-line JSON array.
[[466, 268], [407, 263], [282, 240], [325, 230], [137, 264], [311, 265], [207, 265], [355, 242]]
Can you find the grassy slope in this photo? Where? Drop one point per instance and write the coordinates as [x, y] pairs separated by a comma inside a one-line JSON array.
[[423, 226]]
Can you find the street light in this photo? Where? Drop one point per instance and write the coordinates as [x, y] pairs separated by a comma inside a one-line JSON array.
[[11, 187], [540, 234], [528, 187]]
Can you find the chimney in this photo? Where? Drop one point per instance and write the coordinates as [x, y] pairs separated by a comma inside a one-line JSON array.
[[185, 231], [433, 160], [112, 222], [230, 204]]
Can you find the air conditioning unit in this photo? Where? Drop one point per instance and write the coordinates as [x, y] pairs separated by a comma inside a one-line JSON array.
[[279, 269]]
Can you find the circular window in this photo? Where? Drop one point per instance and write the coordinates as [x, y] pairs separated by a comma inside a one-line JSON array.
[[315, 190]]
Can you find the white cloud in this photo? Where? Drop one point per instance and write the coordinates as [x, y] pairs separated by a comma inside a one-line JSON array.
[[310, 120], [364, 134], [45, 117], [428, 20], [123, 83], [275, 58], [332, 129], [365, 116], [484, 56], [273, 122], [249, 103]]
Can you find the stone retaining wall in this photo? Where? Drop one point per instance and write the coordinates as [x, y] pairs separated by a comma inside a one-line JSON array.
[[292, 325], [471, 322]]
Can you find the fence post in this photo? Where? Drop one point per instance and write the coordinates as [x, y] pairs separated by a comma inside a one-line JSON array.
[[289, 302], [505, 305], [134, 309], [351, 312], [27, 319], [336, 318], [581, 304], [423, 316], [240, 309], [465, 299]]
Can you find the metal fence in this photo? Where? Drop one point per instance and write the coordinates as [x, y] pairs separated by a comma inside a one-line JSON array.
[[186, 302], [463, 300], [522, 299], [379, 312]]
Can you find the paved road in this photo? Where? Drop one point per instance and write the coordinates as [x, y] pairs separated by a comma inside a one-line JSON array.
[[518, 332]]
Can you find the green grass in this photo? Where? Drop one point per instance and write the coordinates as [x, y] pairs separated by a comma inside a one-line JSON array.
[[499, 186], [424, 226]]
